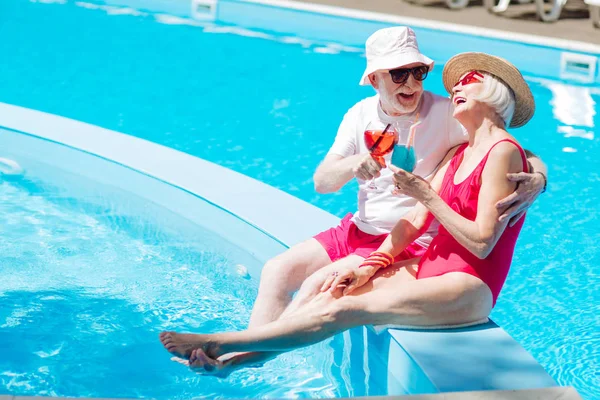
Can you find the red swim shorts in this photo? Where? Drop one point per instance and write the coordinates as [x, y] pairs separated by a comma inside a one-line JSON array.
[[346, 239]]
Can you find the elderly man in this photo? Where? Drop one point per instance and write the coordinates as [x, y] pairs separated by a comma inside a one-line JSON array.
[[396, 70]]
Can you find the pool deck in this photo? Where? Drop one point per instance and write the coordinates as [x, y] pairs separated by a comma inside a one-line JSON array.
[[574, 23]]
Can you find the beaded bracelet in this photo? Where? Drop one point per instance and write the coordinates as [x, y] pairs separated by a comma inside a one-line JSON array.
[[379, 259]]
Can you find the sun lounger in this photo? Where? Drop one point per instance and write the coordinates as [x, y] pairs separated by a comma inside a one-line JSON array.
[[455, 4], [554, 14], [550, 16], [594, 11], [502, 5]]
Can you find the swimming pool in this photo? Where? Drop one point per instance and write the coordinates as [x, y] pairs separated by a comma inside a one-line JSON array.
[[94, 270], [213, 91]]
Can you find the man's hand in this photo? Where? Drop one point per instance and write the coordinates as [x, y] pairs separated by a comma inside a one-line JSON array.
[[368, 168], [529, 187]]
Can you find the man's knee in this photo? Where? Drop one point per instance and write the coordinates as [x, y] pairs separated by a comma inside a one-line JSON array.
[[274, 270], [280, 276]]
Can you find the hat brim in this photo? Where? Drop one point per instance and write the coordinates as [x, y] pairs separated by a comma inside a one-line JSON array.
[[396, 61], [462, 63]]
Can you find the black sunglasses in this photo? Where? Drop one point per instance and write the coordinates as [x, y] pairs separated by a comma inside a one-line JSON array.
[[400, 75]]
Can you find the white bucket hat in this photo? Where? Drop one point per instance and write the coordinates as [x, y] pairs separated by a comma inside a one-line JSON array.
[[392, 48]]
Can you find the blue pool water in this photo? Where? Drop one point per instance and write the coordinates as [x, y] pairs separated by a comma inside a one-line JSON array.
[[268, 106], [91, 275]]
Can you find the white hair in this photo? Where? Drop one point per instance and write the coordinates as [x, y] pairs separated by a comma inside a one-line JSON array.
[[497, 95]]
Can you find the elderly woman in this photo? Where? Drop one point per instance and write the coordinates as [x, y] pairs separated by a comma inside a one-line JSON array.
[[460, 276]]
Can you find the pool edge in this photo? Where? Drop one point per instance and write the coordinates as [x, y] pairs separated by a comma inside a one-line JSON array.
[[403, 347]]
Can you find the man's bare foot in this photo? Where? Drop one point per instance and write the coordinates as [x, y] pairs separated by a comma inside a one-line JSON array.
[[203, 364], [182, 344]]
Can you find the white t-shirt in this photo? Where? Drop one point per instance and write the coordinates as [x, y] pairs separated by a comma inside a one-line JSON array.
[[436, 135]]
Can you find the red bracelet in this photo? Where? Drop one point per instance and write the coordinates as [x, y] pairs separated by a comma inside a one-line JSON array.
[[379, 259]]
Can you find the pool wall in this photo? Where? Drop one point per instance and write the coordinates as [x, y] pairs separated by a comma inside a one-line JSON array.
[[562, 59], [240, 209]]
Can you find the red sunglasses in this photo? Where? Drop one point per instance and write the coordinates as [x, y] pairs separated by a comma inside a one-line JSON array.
[[471, 77]]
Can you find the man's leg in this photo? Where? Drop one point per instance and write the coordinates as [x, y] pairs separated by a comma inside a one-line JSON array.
[[183, 344], [282, 276], [309, 289], [228, 363]]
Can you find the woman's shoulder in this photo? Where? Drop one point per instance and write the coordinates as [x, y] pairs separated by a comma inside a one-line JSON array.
[[505, 143], [507, 150]]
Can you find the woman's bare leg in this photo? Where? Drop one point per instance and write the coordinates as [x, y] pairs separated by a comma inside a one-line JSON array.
[[448, 299], [183, 344]]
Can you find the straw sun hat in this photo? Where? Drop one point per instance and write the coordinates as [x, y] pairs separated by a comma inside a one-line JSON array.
[[462, 63]]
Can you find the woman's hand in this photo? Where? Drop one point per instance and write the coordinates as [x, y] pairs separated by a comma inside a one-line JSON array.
[[355, 277], [352, 278], [411, 184]]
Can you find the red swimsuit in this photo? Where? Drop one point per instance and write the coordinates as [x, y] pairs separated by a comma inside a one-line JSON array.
[[446, 255]]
